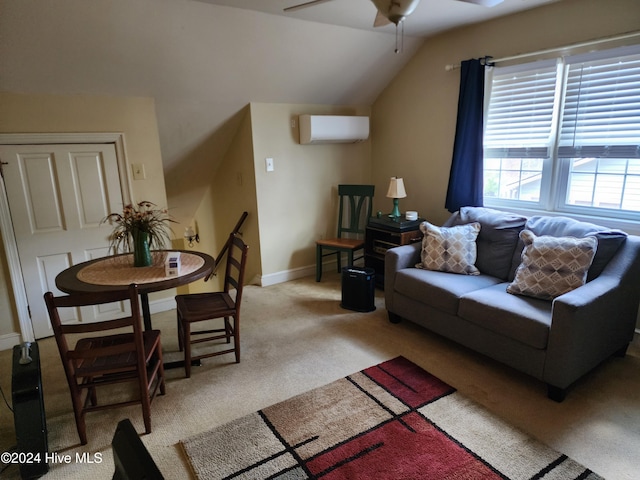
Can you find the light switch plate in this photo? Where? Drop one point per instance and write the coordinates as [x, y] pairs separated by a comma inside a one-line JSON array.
[[269, 164], [138, 171]]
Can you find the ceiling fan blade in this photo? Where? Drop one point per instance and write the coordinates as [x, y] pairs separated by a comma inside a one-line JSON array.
[[484, 3], [381, 20], [305, 5]]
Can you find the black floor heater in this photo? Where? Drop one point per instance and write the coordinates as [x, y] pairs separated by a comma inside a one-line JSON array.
[[28, 410]]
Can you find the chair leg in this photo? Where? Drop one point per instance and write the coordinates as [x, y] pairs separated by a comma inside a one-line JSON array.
[[180, 339], [339, 260], [82, 428], [236, 337], [146, 405], [76, 400], [186, 331], [160, 377], [350, 258], [318, 263], [227, 329]]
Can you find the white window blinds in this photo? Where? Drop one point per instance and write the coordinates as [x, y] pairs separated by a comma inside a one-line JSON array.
[[566, 137], [601, 116], [519, 121]]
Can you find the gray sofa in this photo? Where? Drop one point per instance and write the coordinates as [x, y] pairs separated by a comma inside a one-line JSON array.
[[556, 341]]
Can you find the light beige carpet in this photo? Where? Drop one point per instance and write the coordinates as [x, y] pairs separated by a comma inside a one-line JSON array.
[[295, 337]]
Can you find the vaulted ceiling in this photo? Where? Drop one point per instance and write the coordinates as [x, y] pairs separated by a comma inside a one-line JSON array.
[[204, 61]]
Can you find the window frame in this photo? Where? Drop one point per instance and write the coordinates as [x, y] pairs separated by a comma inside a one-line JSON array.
[[554, 185]]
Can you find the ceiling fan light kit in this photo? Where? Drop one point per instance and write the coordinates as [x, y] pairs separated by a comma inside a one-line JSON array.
[[396, 10]]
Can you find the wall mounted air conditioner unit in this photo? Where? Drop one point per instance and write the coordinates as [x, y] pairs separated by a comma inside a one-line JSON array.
[[333, 129]]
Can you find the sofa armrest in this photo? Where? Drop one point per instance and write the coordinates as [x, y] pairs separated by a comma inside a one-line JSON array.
[[591, 323], [396, 259]]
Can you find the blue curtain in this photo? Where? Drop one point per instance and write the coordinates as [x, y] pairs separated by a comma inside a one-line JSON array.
[[466, 176]]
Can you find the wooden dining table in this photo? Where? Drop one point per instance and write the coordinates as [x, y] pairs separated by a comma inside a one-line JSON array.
[[117, 272]]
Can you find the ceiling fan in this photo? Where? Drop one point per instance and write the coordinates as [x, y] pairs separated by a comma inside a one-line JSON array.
[[391, 11]]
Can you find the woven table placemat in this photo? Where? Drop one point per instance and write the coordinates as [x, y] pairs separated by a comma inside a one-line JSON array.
[[120, 270]]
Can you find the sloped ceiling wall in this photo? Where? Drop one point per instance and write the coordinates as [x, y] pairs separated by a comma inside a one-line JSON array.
[[201, 63]]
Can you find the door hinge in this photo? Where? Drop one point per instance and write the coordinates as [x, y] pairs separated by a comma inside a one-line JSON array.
[[29, 311]]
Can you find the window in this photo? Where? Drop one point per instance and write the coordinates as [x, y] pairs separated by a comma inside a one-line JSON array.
[[565, 135]]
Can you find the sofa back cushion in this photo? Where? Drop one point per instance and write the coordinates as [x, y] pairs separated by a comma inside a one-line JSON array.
[[497, 240], [609, 240]]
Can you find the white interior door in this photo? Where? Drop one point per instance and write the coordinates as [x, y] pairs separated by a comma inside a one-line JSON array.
[[58, 195]]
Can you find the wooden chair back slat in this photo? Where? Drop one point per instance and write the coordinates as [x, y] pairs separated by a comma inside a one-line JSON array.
[[357, 200]]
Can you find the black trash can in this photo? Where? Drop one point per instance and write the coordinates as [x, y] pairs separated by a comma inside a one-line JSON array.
[[358, 289]]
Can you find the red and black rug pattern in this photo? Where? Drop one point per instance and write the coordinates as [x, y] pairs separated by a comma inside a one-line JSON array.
[[390, 421]]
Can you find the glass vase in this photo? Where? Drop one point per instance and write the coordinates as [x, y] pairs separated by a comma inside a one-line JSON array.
[[141, 249]]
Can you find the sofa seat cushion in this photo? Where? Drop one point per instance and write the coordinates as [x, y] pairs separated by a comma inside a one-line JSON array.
[[441, 290], [524, 319]]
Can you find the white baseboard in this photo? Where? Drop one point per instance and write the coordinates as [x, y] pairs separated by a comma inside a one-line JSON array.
[[285, 276], [8, 340], [162, 305]]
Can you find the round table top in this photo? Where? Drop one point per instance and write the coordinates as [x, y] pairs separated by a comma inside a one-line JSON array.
[[117, 272]]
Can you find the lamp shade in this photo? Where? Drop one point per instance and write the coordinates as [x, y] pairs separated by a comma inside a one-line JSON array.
[[396, 188]]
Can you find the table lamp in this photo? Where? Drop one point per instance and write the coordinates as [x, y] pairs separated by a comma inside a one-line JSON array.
[[396, 191]]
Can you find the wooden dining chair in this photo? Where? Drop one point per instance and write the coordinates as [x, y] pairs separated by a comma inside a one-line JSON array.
[[356, 203], [106, 353], [199, 307]]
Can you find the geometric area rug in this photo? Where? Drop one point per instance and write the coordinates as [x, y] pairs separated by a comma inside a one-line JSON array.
[[388, 422]]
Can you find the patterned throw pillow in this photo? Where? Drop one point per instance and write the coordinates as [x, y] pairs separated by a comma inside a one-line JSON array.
[[552, 266], [450, 249]]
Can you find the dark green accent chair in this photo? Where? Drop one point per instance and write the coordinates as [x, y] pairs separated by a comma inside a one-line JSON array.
[[356, 203]]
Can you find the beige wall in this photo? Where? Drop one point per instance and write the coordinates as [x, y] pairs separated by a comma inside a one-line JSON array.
[[289, 208], [413, 120], [297, 202], [231, 193], [134, 117]]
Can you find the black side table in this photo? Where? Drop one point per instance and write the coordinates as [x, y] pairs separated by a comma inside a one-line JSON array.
[[383, 233]]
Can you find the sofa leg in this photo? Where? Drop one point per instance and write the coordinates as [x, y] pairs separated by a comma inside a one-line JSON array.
[[622, 352], [394, 318], [556, 394]]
